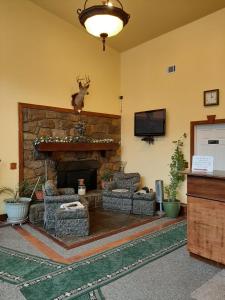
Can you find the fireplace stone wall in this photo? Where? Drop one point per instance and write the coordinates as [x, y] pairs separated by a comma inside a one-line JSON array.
[[37, 122]]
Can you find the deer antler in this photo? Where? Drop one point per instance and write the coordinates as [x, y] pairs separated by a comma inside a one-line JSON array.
[[87, 80]]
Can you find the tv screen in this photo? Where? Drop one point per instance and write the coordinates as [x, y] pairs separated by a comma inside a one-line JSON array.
[[150, 123]]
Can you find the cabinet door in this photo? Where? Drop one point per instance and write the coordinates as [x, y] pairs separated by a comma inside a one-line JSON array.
[[206, 228]]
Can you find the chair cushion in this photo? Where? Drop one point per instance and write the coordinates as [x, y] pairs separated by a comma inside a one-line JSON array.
[[120, 190], [50, 188]]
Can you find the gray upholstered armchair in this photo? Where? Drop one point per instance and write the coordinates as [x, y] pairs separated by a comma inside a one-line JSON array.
[[53, 198], [118, 194]]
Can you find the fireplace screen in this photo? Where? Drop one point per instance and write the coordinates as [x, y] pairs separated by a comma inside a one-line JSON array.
[[69, 172]]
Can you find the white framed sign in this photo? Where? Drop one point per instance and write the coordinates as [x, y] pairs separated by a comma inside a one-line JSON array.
[[202, 163]]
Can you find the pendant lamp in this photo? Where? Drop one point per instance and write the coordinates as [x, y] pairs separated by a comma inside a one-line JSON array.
[[104, 20]]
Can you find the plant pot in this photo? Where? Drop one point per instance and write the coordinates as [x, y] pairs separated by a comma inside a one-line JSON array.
[[171, 208], [103, 184], [17, 211], [39, 195]]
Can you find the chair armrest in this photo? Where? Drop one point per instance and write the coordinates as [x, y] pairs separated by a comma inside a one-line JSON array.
[[84, 201], [146, 197], [61, 199]]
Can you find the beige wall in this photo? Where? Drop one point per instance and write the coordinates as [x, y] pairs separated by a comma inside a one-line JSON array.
[[40, 57], [198, 51]]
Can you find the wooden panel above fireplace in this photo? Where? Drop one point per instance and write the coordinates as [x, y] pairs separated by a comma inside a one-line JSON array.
[[62, 147]]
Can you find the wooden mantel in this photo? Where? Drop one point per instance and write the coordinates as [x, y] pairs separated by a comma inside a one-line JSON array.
[[62, 147]]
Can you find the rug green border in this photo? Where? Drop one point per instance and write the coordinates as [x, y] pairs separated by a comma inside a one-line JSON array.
[[25, 288]]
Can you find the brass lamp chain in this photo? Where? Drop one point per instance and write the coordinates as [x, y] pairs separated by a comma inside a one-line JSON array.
[[107, 8], [104, 2]]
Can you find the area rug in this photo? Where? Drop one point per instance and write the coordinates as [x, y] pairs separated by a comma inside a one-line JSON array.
[[82, 280], [102, 224], [17, 267]]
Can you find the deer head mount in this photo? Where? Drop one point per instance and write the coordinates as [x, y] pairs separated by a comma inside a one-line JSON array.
[[78, 98]]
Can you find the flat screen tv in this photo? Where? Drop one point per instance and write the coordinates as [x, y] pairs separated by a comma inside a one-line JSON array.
[[150, 123]]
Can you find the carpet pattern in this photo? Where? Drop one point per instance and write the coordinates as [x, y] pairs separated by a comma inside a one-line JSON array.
[[17, 267], [82, 280]]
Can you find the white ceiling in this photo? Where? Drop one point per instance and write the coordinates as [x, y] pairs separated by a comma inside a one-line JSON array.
[[149, 18]]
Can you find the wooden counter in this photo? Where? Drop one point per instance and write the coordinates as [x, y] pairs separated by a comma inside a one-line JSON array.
[[206, 215]]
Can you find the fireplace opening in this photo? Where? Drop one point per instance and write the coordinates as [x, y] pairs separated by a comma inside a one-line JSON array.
[[68, 173]]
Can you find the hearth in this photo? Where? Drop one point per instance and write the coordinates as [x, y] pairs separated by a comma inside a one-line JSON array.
[[68, 173]]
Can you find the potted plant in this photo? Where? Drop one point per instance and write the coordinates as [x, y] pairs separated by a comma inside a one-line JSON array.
[[39, 193], [38, 189], [18, 204], [106, 177], [177, 165]]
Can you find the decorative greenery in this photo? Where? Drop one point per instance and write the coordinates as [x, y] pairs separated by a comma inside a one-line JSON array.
[[80, 126], [107, 175], [70, 139], [177, 165], [24, 189]]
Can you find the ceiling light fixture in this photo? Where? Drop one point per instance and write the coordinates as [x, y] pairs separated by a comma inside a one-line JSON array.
[[103, 20]]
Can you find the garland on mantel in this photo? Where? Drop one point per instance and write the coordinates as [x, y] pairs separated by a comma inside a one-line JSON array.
[[71, 139]]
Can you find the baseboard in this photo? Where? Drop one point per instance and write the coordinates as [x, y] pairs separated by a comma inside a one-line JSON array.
[[3, 217], [206, 260]]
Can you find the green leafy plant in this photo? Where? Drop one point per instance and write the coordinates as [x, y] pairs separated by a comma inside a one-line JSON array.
[[107, 175], [177, 165], [24, 189]]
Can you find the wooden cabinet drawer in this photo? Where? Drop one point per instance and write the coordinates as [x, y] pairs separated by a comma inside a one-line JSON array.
[[206, 228]]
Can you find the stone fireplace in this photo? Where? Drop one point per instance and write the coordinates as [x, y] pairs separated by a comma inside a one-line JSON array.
[[36, 121]]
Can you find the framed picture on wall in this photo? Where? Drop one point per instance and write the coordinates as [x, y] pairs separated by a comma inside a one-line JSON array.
[[211, 97]]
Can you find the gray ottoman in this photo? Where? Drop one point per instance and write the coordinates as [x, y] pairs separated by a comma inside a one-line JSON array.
[[144, 204], [72, 222], [36, 213]]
